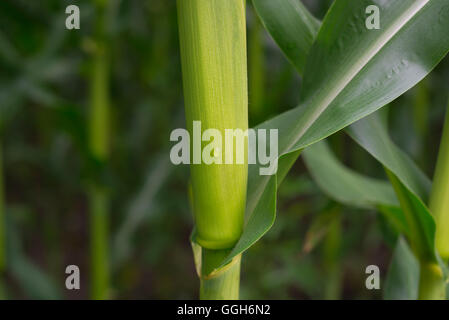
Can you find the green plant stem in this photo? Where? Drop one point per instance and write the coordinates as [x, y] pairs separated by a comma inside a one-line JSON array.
[[332, 258], [99, 147], [431, 282], [421, 106], [212, 38], [99, 247], [225, 284], [99, 90], [439, 199]]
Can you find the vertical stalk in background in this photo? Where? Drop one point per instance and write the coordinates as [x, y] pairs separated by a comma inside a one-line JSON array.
[[332, 258], [439, 198], [213, 54], [99, 147], [421, 105]]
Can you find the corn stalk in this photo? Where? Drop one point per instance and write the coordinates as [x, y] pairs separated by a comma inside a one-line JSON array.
[[99, 147], [213, 54]]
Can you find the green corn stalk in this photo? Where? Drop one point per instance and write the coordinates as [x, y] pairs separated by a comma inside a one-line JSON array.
[[332, 258], [213, 55], [99, 147], [421, 106], [431, 282], [439, 199]]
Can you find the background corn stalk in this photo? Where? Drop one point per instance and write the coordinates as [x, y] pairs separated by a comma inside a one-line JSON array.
[[99, 133]]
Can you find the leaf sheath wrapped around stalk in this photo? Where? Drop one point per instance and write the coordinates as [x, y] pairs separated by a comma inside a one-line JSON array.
[[213, 54], [439, 200]]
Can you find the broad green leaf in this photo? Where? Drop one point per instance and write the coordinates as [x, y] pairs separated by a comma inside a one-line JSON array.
[[403, 274], [343, 184], [410, 184], [372, 135], [396, 218], [292, 27], [259, 222], [351, 188], [350, 73], [419, 220]]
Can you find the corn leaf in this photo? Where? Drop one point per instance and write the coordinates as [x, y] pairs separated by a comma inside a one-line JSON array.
[[372, 135], [343, 184], [403, 274], [396, 219], [292, 27], [350, 72], [410, 184], [351, 188]]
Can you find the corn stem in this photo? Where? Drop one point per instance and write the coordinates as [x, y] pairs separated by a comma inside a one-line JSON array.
[[439, 199], [431, 282], [212, 37], [223, 286], [421, 106], [99, 247], [332, 258], [99, 146]]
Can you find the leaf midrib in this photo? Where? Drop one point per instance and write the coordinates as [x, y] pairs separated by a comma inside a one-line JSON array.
[[374, 49]]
